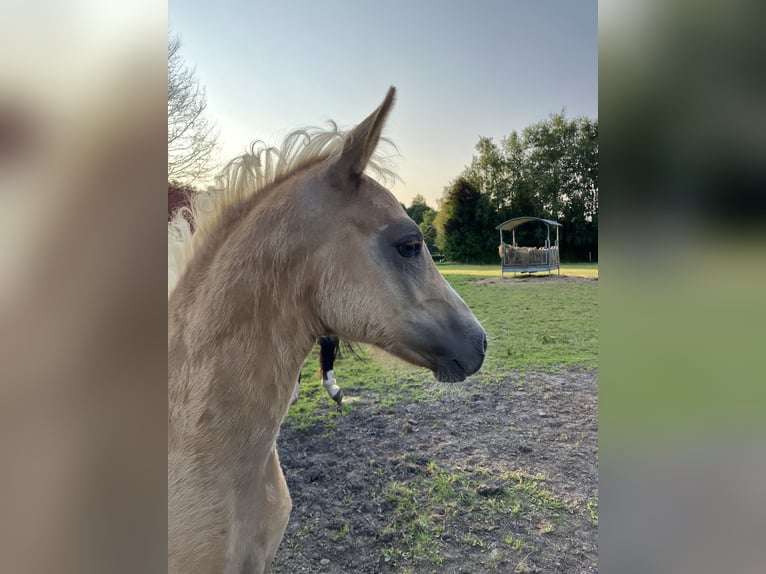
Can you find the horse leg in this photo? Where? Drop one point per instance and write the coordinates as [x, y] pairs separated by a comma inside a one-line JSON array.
[[331, 386], [328, 347], [274, 504]]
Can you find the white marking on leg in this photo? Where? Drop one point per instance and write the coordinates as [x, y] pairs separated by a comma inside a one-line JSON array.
[[330, 385]]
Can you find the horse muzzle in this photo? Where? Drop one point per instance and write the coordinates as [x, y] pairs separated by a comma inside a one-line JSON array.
[[463, 360]]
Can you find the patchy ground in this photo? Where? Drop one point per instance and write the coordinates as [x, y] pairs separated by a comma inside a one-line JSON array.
[[496, 476]]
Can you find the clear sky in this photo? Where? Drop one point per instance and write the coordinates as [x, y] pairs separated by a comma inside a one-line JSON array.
[[462, 70]]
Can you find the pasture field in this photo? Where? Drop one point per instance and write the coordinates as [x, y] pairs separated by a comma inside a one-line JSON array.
[[495, 474]]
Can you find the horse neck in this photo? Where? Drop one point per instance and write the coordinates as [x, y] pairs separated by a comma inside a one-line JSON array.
[[240, 325]]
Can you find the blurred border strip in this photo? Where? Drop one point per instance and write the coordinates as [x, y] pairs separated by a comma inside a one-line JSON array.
[[83, 96], [683, 270]]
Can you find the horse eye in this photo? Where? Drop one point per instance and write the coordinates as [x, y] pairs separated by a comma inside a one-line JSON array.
[[409, 249]]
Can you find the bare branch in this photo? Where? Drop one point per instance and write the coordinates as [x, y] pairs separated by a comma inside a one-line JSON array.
[[192, 139]]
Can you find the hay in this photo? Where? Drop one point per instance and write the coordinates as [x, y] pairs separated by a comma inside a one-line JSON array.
[[523, 257]]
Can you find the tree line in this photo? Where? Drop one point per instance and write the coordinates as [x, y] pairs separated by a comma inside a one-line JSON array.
[[549, 170]]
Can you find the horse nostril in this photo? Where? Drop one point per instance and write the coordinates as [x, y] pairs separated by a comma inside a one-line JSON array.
[[484, 342]]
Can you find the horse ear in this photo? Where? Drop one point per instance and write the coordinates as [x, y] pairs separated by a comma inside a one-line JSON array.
[[360, 143]]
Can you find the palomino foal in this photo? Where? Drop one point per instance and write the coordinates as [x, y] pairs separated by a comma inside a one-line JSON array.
[[258, 282]]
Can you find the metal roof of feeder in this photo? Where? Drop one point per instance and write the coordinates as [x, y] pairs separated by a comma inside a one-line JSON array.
[[516, 221]]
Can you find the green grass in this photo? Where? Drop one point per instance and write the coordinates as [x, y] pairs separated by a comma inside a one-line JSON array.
[[593, 511], [443, 499], [547, 325], [343, 532]]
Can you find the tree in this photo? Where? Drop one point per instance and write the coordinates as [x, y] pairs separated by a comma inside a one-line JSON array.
[[192, 139], [488, 172], [550, 170], [427, 227], [464, 225], [522, 197], [562, 165], [417, 209]]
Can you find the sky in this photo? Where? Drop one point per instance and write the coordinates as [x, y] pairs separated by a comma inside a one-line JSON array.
[[462, 70]]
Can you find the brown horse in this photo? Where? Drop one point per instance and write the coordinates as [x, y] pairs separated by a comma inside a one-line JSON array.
[[254, 287]]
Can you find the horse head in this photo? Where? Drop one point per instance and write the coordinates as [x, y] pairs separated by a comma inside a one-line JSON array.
[[377, 283]]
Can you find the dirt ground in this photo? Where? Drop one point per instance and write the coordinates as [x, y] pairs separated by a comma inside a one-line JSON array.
[[537, 423]]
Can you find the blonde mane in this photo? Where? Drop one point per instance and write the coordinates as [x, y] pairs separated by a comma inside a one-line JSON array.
[[247, 175]]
